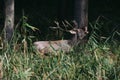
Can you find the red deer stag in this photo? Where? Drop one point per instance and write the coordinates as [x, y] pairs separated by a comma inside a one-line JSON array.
[[64, 45]]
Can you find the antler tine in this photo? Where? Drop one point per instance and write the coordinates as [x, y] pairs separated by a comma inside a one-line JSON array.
[[55, 26], [64, 25], [68, 23]]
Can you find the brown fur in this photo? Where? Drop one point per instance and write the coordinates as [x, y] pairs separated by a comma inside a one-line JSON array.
[[58, 45]]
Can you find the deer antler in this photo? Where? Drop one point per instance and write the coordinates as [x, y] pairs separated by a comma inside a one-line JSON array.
[[65, 24], [57, 26]]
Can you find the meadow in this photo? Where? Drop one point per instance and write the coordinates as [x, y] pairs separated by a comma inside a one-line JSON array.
[[97, 59]]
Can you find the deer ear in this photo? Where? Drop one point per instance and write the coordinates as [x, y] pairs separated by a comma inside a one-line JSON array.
[[72, 32]]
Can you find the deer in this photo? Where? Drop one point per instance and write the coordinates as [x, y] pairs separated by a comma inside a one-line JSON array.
[[66, 46]]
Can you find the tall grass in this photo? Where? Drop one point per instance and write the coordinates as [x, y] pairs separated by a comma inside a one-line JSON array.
[[95, 60]]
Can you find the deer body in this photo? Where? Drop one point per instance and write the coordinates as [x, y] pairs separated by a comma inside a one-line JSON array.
[[60, 45], [51, 46]]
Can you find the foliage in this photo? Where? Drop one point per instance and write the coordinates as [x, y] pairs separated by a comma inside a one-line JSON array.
[[96, 60]]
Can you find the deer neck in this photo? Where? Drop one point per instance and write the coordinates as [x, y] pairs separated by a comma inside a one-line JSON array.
[[73, 40]]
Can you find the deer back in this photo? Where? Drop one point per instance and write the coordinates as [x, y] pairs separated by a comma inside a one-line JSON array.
[[51, 46]]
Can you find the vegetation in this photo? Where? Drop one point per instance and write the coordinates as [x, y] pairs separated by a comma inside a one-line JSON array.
[[97, 59]]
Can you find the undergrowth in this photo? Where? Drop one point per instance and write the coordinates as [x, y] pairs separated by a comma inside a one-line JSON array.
[[98, 59]]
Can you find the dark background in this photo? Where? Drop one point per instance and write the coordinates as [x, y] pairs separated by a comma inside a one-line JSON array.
[[43, 13], [46, 10]]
